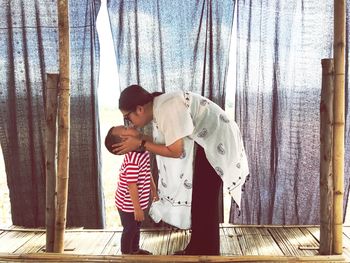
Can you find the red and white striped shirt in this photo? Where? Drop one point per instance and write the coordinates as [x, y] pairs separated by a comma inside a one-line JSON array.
[[134, 169]]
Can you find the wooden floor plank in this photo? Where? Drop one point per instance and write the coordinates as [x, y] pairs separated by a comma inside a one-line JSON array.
[[152, 241], [178, 240], [12, 240], [311, 240], [101, 239], [51, 257], [346, 231], [224, 243], [113, 245], [77, 242], [315, 231], [298, 241], [247, 241], [162, 242], [346, 246], [266, 244], [259, 241], [287, 247], [304, 241], [232, 241], [35, 245]]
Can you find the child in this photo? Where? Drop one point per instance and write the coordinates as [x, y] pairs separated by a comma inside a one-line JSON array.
[[132, 195]]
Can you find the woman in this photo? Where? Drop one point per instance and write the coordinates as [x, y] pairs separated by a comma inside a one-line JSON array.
[[220, 156]]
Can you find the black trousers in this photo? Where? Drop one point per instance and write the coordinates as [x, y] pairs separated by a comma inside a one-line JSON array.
[[205, 237], [130, 238]]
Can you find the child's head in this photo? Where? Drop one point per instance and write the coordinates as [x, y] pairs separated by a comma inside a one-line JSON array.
[[113, 137]]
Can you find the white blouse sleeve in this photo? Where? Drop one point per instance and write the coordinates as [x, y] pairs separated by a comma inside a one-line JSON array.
[[174, 120]]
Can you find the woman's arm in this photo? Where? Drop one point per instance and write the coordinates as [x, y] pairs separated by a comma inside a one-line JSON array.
[[174, 150]]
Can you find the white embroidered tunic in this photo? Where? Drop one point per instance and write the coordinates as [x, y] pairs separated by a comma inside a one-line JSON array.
[[188, 115]]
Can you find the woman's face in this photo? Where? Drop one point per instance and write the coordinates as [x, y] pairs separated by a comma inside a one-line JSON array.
[[135, 118], [126, 117]]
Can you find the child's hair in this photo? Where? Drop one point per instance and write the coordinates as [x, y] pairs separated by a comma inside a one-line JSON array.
[[111, 139]]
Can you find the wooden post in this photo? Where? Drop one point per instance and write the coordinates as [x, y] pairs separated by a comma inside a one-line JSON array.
[[63, 125], [50, 155], [326, 158], [338, 132]]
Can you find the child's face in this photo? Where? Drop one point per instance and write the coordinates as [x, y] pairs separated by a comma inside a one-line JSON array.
[[131, 131]]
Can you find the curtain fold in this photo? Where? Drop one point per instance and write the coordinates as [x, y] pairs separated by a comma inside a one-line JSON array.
[[29, 50], [280, 45], [173, 45]]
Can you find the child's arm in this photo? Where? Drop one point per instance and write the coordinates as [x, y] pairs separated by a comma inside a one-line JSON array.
[[134, 194], [154, 192]]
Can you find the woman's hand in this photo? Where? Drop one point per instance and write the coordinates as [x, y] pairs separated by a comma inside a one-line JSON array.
[[129, 143]]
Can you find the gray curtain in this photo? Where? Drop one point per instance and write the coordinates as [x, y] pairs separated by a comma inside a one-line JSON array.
[[280, 45], [166, 45], [29, 50], [169, 45]]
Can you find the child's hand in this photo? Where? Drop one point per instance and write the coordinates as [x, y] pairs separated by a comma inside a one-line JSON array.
[[155, 196], [139, 215]]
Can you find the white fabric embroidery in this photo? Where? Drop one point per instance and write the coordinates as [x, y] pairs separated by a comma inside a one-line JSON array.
[[175, 184]]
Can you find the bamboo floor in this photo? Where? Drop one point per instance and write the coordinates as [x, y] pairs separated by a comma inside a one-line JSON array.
[[243, 243]]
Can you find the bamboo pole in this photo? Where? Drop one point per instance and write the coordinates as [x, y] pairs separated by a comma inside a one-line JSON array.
[[326, 156], [338, 130], [63, 125], [50, 155]]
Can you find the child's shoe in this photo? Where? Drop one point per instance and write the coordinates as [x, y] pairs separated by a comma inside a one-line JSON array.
[[142, 252]]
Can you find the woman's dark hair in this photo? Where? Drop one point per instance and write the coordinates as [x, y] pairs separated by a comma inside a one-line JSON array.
[[111, 139], [135, 95]]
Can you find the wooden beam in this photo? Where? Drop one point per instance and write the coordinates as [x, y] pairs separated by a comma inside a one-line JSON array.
[[63, 125], [50, 156], [326, 158], [339, 119], [53, 257]]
